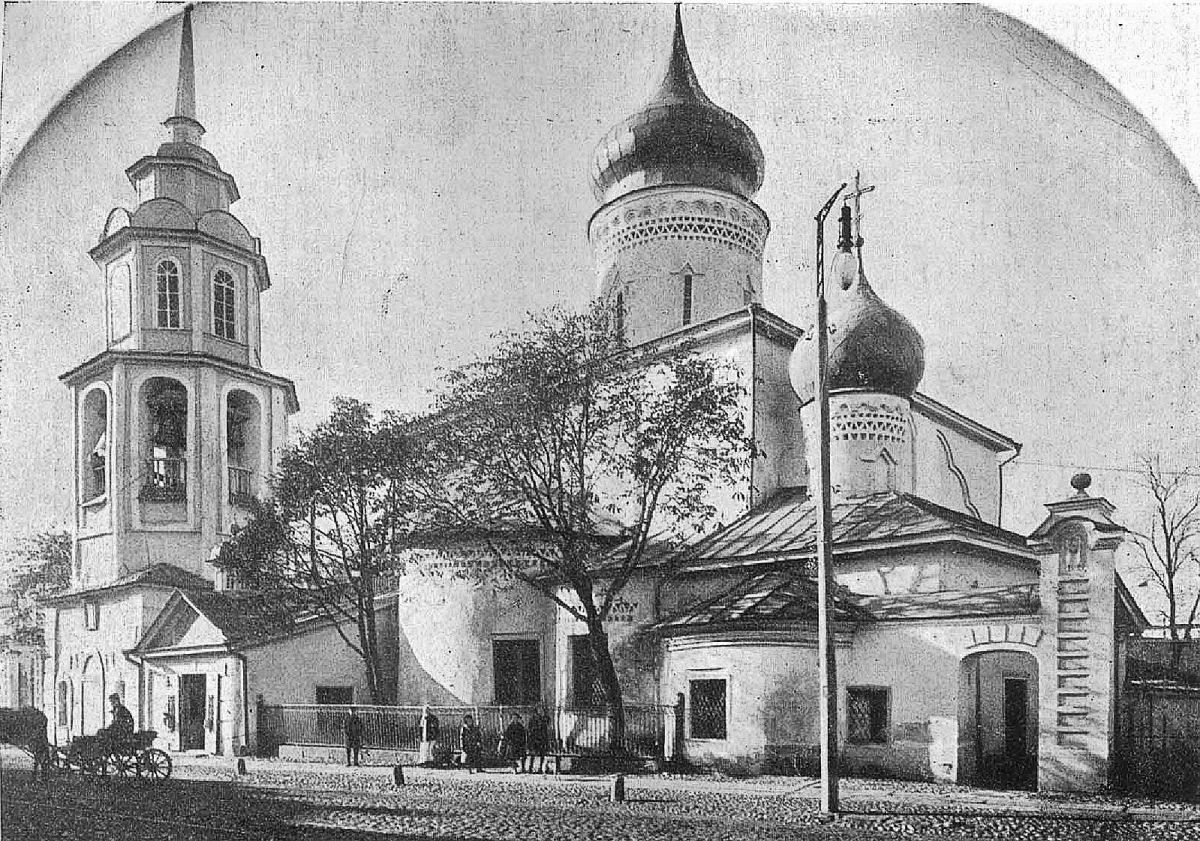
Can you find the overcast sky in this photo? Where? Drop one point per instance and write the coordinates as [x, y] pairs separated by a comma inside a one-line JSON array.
[[417, 175]]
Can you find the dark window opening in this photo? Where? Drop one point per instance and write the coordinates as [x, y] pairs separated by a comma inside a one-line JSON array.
[[335, 694], [166, 469], [516, 671], [687, 299], [619, 316], [707, 707], [866, 715], [586, 688]]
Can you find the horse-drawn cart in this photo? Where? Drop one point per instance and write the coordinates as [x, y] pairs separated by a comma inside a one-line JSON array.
[[133, 756]]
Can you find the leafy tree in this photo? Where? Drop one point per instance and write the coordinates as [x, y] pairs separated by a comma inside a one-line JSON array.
[[1169, 546], [39, 566], [564, 455], [322, 544]]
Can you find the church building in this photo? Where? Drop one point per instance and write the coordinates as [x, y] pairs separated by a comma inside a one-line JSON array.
[[966, 652], [177, 426]]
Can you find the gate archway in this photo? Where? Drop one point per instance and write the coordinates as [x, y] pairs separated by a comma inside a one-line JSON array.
[[998, 719]]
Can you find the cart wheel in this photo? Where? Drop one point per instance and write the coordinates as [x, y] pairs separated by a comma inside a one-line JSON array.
[[154, 764], [123, 764]]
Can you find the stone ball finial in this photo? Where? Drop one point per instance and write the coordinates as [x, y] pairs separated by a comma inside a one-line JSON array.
[[1081, 482]]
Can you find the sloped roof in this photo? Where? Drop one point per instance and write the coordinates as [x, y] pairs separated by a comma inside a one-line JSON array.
[[774, 596], [164, 575], [785, 525], [244, 618]]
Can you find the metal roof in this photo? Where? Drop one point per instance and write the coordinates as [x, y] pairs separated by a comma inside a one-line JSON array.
[[774, 596], [785, 525]]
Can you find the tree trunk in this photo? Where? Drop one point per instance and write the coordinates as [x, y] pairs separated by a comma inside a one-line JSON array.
[[598, 642]]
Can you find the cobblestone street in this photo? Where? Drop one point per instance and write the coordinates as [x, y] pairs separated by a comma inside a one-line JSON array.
[[206, 800]]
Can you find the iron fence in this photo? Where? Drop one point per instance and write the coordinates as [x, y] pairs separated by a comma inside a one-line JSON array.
[[649, 728]]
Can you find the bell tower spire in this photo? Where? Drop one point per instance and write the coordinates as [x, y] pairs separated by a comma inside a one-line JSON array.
[[185, 128]]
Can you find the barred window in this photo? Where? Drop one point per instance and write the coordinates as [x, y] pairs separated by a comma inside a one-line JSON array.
[[167, 286], [223, 305], [867, 715], [707, 708]]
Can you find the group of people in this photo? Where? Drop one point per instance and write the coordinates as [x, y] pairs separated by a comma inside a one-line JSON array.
[[519, 746]]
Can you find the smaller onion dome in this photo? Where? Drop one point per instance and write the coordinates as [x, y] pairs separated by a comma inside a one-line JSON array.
[[871, 346], [679, 137]]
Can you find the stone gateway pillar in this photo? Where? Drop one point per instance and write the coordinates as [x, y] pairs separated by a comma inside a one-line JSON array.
[[1077, 546]]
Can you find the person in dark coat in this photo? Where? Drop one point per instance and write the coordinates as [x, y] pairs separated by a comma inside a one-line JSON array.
[[353, 728], [471, 739], [512, 745], [122, 726], [538, 734]]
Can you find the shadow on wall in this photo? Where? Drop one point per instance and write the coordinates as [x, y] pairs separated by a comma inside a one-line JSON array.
[[419, 686], [636, 659]]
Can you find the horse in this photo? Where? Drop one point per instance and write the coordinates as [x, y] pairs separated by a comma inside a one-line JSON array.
[[26, 728]]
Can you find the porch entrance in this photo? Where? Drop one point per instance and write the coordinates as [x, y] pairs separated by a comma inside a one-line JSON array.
[[998, 720], [192, 693]]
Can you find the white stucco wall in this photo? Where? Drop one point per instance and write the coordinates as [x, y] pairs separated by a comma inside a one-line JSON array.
[[447, 626], [772, 690], [954, 470]]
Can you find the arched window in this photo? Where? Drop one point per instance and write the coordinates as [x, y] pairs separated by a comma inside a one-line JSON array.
[[166, 278], [619, 315], [223, 305], [94, 433], [243, 421], [687, 299]]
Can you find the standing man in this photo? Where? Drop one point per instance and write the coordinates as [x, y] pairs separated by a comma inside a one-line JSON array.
[[354, 731], [538, 737], [512, 745]]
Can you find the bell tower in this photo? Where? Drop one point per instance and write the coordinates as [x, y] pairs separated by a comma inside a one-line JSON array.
[[176, 423]]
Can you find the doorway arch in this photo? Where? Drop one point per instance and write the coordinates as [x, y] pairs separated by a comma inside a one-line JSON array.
[[998, 719], [91, 692]]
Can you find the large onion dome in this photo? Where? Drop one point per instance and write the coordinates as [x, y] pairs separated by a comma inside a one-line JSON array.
[[871, 346], [679, 137]]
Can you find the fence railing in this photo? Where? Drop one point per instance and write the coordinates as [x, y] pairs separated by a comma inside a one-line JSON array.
[[239, 483], [166, 479], [650, 730]]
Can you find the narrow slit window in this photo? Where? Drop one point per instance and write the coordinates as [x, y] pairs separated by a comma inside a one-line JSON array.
[[687, 299], [619, 316], [167, 287], [223, 311]]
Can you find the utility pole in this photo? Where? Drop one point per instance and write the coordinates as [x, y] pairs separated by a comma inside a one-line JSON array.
[[825, 636]]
